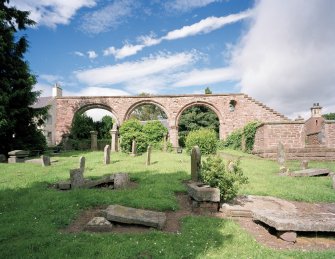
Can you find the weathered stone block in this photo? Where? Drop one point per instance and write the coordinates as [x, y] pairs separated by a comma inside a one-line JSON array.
[[121, 180], [45, 160], [289, 236], [64, 185], [200, 192], [127, 215], [14, 159], [18, 153], [76, 178], [310, 172]]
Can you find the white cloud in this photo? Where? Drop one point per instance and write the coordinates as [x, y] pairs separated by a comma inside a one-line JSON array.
[[80, 54], [50, 78], [204, 26], [128, 71], [187, 5], [287, 57], [92, 54], [52, 12], [108, 17], [46, 90], [95, 91], [204, 77]]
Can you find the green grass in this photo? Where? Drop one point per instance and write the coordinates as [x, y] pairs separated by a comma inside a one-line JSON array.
[[32, 215]]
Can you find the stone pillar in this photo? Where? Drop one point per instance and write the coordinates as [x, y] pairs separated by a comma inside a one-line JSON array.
[[82, 164], [195, 163], [133, 148], [174, 136], [45, 160], [94, 140], [148, 155], [107, 155], [114, 135]]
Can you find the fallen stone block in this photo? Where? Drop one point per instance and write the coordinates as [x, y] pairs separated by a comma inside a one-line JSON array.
[[98, 224], [128, 215], [289, 236], [310, 172], [201, 192], [93, 183]]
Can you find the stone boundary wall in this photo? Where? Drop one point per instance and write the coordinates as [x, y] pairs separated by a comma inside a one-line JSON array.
[[330, 133]]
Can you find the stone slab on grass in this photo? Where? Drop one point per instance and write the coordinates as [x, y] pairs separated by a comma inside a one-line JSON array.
[[18, 153], [310, 172], [93, 183], [201, 192], [128, 215], [284, 221]]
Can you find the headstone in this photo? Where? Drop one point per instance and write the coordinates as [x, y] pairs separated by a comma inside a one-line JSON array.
[[76, 178], [121, 180], [133, 148], [94, 140], [148, 155], [115, 141], [230, 166], [107, 155], [82, 164], [127, 215], [195, 163], [281, 155], [17, 156], [3, 158], [45, 160], [304, 164]]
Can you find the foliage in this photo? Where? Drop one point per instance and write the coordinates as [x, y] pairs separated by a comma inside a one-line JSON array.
[[104, 126], [208, 90], [194, 118], [81, 126], [206, 139], [155, 131], [329, 116], [234, 140], [227, 178], [18, 119], [133, 129], [249, 132]]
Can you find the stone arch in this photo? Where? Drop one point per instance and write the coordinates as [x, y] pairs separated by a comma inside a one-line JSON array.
[[142, 102], [90, 106], [199, 103]]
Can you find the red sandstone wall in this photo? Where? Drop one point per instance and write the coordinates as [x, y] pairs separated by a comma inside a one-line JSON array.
[[330, 134], [291, 134]]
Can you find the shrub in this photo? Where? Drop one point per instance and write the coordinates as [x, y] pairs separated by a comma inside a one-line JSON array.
[[140, 138], [131, 126], [249, 132], [234, 140], [205, 139], [155, 131], [227, 178]]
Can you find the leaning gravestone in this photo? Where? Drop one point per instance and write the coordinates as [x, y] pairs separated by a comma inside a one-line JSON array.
[[133, 148], [45, 160], [107, 154], [82, 164], [76, 178], [148, 155], [195, 163], [281, 155]]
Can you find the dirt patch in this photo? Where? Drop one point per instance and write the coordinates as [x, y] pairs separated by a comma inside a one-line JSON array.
[[261, 232]]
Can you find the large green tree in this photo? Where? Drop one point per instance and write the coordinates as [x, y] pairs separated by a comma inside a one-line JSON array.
[[329, 116], [18, 120]]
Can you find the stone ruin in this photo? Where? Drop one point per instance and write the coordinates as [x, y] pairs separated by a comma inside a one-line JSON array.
[[17, 156], [202, 196], [77, 180]]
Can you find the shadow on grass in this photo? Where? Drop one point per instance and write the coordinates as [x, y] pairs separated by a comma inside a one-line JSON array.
[[35, 215]]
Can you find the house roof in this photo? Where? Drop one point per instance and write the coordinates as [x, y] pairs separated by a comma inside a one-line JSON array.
[[42, 102]]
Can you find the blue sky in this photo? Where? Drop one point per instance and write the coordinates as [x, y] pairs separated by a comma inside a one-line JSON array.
[[279, 52]]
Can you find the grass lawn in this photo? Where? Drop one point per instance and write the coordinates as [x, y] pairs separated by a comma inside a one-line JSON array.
[[32, 215]]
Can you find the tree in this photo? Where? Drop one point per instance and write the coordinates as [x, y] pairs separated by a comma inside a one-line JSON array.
[[329, 116], [195, 118], [106, 126], [18, 120], [208, 91], [81, 126]]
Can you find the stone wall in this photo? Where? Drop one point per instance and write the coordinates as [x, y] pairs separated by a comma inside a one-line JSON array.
[[330, 134], [246, 110]]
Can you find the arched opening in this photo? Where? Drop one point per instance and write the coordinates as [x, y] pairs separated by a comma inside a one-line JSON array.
[[88, 119], [196, 116]]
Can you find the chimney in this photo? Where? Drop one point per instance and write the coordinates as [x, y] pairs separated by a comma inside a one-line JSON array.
[[316, 110], [56, 91]]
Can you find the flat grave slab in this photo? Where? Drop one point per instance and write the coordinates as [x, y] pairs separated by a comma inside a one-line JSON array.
[[310, 172], [128, 215], [285, 221]]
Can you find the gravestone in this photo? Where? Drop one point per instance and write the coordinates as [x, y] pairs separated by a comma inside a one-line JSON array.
[[3, 158], [82, 163], [148, 155], [281, 155], [45, 160], [17, 156], [121, 180], [304, 164], [115, 141], [107, 155], [195, 163], [231, 166], [94, 140], [76, 178], [133, 148]]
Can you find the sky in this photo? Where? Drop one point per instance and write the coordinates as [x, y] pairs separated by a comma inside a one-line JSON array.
[[281, 53]]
